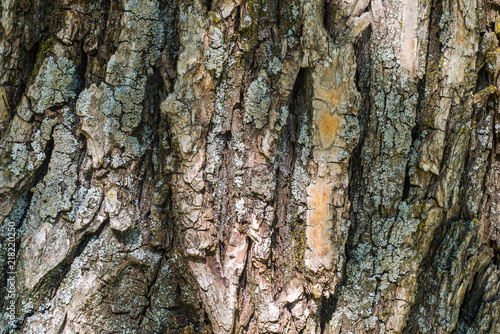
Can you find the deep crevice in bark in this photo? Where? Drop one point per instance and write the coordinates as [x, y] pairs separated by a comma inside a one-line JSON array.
[[88, 237], [50, 283], [483, 80], [471, 304], [423, 279], [30, 58], [355, 190], [44, 167], [66, 266], [80, 72], [327, 309], [208, 4], [329, 14], [282, 226], [63, 324], [149, 289]]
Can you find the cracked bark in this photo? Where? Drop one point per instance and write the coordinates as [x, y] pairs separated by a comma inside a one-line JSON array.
[[235, 166]]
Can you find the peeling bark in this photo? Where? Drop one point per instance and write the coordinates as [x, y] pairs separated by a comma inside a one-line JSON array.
[[237, 166]]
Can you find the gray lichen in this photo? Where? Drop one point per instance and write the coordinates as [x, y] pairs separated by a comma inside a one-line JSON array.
[[54, 84], [258, 101], [216, 54], [55, 193], [19, 158]]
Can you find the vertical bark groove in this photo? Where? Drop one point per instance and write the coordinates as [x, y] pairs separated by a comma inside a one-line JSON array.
[[241, 167]]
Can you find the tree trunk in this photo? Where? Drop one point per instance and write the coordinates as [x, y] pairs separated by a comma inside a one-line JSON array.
[[241, 166]]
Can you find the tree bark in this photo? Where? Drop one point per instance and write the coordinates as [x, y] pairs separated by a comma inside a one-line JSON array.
[[241, 166]]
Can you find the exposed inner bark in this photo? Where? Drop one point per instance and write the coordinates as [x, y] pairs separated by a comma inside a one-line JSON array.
[[237, 166]]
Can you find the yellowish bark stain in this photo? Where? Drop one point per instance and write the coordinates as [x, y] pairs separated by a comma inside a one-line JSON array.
[[327, 126], [332, 97]]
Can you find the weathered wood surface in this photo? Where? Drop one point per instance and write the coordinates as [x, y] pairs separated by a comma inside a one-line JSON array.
[[241, 166]]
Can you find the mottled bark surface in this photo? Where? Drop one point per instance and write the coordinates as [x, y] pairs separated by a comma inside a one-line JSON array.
[[241, 166]]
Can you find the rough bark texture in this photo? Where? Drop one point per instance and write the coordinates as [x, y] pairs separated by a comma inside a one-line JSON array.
[[250, 166]]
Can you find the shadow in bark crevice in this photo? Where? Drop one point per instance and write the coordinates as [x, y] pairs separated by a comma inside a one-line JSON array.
[[483, 81], [66, 265], [355, 190], [44, 167], [149, 290], [327, 309], [471, 304]]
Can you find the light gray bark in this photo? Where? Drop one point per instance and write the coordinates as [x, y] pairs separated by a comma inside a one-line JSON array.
[[241, 166]]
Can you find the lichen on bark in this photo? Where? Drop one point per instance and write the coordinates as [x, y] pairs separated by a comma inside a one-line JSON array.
[[244, 166]]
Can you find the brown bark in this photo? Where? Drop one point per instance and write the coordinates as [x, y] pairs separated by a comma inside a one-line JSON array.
[[237, 166]]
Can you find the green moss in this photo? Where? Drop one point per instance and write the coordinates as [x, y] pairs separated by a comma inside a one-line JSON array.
[[43, 52], [51, 17], [290, 18], [249, 27], [429, 122], [421, 226]]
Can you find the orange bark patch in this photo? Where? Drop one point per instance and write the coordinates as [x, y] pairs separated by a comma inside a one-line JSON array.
[[318, 221], [327, 126]]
